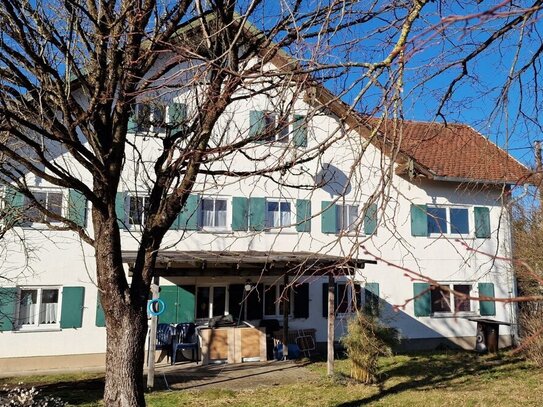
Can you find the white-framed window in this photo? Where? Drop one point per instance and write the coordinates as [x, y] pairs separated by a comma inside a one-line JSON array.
[[444, 301], [277, 132], [347, 217], [279, 213], [38, 307], [274, 301], [149, 116], [137, 209], [211, 301], [51, 200], [448, 220], [213, 213]]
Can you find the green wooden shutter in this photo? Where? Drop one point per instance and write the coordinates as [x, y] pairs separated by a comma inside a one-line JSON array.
[[257, 213], [328, 217], [188, 217], [177, 113], [254, 303], [100, 317], [240, 213], [14, 206], [422, 299], [256, 124], [419, 220], [482, 222], [487, 308], [371, 298], [77, 207], [132, 120], [71, 315], [370, 220], [299, 136], [303, 215], [168, 294], [301, 301], [186, 303], [235, 297], [8, 304], [120, 199]]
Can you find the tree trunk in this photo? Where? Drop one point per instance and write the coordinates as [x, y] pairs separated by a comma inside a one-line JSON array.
[[124, 360], [126, 319]]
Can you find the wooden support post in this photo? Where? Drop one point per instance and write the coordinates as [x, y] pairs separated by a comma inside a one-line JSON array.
[[152, 339], [331, 325], [286, 309]]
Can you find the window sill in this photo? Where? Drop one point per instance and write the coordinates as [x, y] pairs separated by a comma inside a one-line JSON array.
[[464, 314], [219, 231], [450, 237], [38, 329], [283, 231]]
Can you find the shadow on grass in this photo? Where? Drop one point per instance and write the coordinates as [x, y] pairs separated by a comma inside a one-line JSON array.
[[89, 391], [431, 371]]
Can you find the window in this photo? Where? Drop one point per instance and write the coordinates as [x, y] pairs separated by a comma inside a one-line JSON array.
[[447, 220], [443, 300], [213, 213], [276, 131], [346, 218], [210, 302], [137, 209], [274, 300], [146, 115], [52, 201], [347, 299], [38, 307], [278, 214]]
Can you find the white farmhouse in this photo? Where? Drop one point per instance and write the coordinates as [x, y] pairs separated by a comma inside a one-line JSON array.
[[427, 202]]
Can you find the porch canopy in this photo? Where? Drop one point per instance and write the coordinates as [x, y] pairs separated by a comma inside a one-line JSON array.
[[172, 263]]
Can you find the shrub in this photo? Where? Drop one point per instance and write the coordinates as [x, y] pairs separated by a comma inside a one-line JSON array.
[[366, 340], [23, 397], [531, 322]]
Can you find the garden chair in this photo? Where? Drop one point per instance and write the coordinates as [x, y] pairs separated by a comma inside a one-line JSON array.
[[185, 339]]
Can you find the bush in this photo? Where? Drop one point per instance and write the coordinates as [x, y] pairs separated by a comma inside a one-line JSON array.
[[22, 397], [531, 323], [366, 340]]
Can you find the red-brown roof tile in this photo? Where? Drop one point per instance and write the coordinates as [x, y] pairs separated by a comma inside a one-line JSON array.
[[454, 151]]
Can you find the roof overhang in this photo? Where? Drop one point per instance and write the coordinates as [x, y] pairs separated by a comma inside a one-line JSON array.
[[241, 263]]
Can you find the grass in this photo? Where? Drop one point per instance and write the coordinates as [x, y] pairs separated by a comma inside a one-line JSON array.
[[429, 379]]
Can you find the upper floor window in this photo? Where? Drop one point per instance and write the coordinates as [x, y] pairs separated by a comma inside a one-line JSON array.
[[147, 115], [347, 216], [213, 213], [433, 220], [278, 213], [50, 200], [137, 211], [38, 307], [447, 220], [269, 126]]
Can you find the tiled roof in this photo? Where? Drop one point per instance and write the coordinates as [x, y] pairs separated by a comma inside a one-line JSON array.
[[454, 151]]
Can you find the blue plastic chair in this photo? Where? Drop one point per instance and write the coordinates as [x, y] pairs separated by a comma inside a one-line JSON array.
[[164, 333], [186, 338]]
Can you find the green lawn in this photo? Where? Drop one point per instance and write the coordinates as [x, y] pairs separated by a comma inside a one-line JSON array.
[[444, 379]]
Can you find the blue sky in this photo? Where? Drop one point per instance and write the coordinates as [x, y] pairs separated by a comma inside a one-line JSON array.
[[475, 98]]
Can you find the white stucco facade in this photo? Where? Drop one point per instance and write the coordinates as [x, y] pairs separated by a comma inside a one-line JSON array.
[[61, 259]]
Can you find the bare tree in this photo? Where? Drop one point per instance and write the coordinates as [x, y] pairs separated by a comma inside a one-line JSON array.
[[73, 74]]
